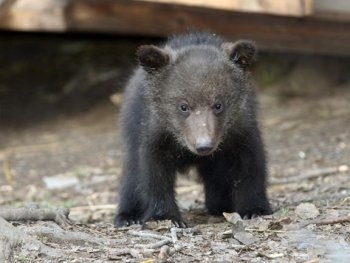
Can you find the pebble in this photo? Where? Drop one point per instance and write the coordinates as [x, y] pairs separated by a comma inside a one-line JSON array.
[[307, 211]]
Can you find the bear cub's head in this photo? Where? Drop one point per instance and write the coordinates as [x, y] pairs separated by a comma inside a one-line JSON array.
[[199, 93]]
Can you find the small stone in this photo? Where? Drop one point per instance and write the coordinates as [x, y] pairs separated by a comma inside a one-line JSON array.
[[307, 211], [302, 155], [343, 168], [60, 181]]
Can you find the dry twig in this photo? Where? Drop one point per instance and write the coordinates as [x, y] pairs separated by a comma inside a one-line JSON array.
[[59, 215], [314, 260], [319, 222], [314, 198], [163, 239], [82, 209], [12, 237], [155, 245], [147, 235], [57, 234], [164, 253], [173, 234], [309, 175]]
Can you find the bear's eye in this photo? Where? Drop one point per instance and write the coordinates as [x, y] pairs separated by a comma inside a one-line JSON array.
[[218, 107], [184, 107]]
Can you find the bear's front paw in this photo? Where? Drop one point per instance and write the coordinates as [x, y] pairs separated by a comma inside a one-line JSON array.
[[255, 212], [179, 223], [123, 220], [163, 214], [176, 222]]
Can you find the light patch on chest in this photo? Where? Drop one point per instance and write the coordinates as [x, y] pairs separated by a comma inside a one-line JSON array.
[[204, 124], [198, 112]]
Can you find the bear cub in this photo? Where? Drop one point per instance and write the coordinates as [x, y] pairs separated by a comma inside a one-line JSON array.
[[191, 103]]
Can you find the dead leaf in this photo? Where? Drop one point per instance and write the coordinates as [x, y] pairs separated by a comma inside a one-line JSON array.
[[236, 220], [245, 238]]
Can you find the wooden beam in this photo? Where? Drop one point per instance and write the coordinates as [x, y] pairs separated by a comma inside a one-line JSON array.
[[332, 10], [275, 33], [285, 7], [30, 15]]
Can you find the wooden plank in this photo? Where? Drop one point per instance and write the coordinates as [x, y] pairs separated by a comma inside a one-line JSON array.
[[285, 7], [270, 32], [277, 33], [332, 10], [334, 6], [43, 15]]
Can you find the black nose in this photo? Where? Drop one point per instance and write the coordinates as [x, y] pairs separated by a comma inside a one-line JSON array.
[[204, 146]]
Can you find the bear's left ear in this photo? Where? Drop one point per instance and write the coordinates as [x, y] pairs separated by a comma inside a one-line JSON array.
[[242, 52], [152, 58]]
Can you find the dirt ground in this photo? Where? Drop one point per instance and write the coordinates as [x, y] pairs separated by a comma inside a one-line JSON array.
[[74, 161]]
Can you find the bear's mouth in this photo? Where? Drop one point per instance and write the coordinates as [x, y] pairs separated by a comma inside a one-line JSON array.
[[204, 151]]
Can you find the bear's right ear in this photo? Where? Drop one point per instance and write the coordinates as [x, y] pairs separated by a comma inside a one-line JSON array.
[[152, 58], [242, 52]]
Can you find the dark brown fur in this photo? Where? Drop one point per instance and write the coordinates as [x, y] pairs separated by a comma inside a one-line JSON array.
[[192, 103]]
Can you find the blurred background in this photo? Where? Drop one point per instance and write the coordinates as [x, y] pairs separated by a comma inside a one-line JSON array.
[[64, 65]]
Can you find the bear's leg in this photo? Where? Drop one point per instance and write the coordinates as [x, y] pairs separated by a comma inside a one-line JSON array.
[[250, 172], [131, 207], [250, 195], [234, 180], [218, 186], [158, 180]]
